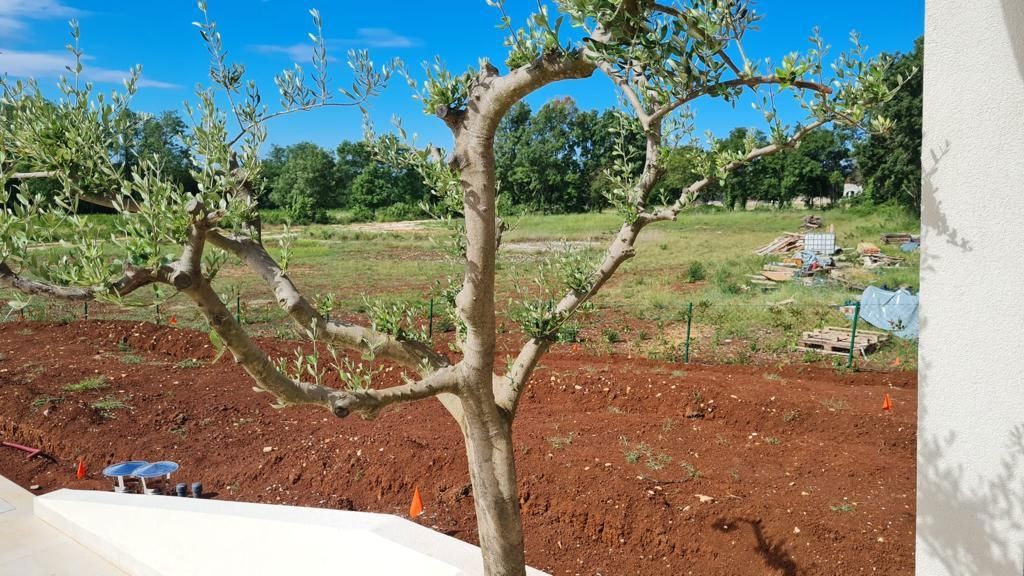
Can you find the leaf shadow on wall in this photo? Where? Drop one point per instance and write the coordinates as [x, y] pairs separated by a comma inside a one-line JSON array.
[[962, 520]]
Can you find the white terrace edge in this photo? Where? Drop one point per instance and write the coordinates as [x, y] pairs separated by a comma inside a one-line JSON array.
[[171, 536]]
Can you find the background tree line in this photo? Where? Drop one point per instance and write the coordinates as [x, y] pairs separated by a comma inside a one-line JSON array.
[[556, 160]]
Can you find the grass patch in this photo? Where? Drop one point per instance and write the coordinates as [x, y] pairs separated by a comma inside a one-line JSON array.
[[634, 453], [108, 405], [691, 471], [657, 461], [836, 405], [709, 252], [559, 442], [131, 359], [611, 336], [188, 363], [87, 385], [845, 507], [42, 401]]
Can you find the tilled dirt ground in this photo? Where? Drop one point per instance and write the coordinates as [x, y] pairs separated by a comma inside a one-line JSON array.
[[626, 465]]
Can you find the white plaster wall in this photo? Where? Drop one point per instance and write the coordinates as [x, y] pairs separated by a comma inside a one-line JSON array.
[[970, 516]]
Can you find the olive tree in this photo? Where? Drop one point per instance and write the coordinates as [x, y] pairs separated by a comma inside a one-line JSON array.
[[661, 57]]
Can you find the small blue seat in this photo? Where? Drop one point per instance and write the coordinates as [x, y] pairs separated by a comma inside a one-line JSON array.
[[122, 469]]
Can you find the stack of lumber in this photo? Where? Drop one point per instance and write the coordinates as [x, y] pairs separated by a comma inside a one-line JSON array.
[[879, 260], [786, 244], [811, 221], [772, 274], [898, 238], [836, 341]]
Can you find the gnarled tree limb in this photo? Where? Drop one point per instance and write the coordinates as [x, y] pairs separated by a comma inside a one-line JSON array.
[[133, 279], [405, 352], [341, 403], [370, 401]]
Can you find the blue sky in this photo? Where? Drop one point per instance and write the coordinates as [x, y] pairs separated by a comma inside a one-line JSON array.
[[268, 35]]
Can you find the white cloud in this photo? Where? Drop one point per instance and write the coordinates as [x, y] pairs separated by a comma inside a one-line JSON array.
[[381, 38], [364, 38], [13, 14], [53, 64], [296, 52]]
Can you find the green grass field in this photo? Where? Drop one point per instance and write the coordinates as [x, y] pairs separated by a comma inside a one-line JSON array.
[[703, 259]]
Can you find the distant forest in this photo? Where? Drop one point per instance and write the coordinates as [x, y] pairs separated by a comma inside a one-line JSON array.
[[556, 160]]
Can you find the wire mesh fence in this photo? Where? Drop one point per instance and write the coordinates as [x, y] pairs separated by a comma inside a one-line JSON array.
[[843, 331]]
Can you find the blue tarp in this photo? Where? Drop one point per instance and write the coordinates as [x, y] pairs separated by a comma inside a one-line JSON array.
[[892, 311]]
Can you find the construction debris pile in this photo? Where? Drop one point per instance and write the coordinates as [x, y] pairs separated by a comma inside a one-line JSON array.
[[809, 254]]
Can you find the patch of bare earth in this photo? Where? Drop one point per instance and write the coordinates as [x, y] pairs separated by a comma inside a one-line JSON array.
[[626, 465]]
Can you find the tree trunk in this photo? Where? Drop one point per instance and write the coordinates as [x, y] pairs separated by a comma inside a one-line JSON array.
[[486, 428], [495, 494]]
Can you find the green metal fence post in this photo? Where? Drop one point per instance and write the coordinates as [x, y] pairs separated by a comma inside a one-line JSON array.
[[430, 322], [238, 309], [86, 306], [689, 322], [853, 334], [157, 314]]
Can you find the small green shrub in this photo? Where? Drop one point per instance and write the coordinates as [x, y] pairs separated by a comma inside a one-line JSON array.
[[568, 333], [611, 336], [696, 272]]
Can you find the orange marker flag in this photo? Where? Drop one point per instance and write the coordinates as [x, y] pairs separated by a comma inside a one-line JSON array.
[[416, 508], [174, 321], [80, 473], [887, 403]]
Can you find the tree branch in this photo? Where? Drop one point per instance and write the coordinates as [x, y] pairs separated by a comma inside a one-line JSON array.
[[251, 357], [32, 175], [631, 95], [750, 81], [493, 95], [405, 352], [129, 205], [133, 279], [509, 388], [369, 402]]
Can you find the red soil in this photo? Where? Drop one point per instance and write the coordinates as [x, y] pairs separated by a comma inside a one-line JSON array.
[[806, 474]]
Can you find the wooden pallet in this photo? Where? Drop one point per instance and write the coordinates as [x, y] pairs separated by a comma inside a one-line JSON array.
[[897, 238], [832, 340]]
